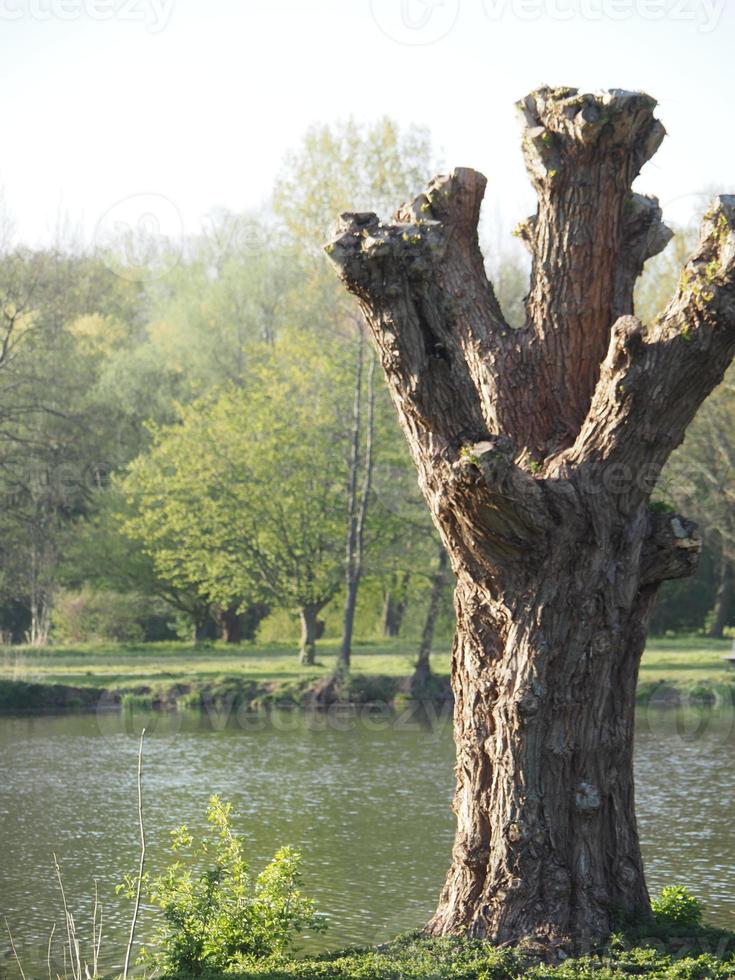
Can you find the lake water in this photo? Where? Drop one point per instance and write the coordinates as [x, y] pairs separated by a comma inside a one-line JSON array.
[[365, 797]]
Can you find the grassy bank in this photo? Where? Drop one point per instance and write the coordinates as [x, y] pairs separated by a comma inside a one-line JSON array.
[[691, 955], [181, 673]]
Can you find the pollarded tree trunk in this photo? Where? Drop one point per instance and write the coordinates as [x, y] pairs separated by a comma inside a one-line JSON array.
[[537, 450]]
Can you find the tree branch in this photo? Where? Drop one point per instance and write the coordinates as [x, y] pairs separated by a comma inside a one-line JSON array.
[[654, 379], [671, 549], [432, 312], [644, 235], [582, 153], [505, 514]]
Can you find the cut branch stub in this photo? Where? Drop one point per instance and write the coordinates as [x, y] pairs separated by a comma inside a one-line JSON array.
[[583, 153], [670, 550], [566, 129], [498, 508], [436, 321]]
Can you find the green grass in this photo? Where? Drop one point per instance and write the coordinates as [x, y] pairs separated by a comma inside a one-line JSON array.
[[687, 658], [131, 666], [685, 663], [708, 953]]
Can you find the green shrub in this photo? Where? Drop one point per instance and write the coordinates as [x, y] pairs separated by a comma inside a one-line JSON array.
[[677, 906], [86, 616], [214, 913]]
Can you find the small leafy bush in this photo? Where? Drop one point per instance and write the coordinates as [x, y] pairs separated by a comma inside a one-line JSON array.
[[215, 914], [677, 906], [88, 615]]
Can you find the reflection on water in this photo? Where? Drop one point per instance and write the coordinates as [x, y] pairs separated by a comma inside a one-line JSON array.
[[365, 797]]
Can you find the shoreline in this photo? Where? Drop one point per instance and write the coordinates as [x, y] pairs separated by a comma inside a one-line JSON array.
[[374, 692]]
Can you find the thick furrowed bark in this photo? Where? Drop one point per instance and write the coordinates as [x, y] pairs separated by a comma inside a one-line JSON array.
[[654, 379], [547, 846], [582, 153], [434, 316], [544, 684], [537, 451]]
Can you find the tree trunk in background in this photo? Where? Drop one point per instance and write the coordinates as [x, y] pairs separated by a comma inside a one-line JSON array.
[[537, 449], [422, 671], [40, 625], [40, 560], [241, 626], [358, 502], [230, 623], [203, 624], [251, 617], [310, 633], [395, 603], [724, 599]]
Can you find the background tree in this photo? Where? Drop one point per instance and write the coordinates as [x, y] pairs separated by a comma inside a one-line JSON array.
[[334, 168], [700, 478], [697, 476], [57, 442], [205, 506], [422, 671], [537, 451]]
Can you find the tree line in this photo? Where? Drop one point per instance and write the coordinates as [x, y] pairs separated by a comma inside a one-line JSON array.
[[211, 451]]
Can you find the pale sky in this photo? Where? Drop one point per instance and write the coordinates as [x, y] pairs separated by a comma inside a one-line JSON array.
[[196, 102]]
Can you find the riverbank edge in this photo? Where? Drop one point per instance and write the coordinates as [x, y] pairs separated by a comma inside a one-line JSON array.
[[656, 950], [376, 691]]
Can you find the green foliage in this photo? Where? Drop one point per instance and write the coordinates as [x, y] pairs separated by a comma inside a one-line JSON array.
[[677, 905], [458, 958], [661, 507], [91, 615], [215, 914], [347, 167], [243, 499]]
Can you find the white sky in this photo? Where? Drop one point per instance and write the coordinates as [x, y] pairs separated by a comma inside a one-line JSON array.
[[197, 101]]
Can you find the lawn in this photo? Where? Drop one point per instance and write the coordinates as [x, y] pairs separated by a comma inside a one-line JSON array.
[[687, 658], [681, 661], [130, 666]]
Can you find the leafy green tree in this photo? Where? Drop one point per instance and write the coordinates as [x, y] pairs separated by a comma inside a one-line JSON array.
[[58, 313], [369, 167], [99, 555], [227, 300], [700, 476], [244, 499], [333, 168]]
